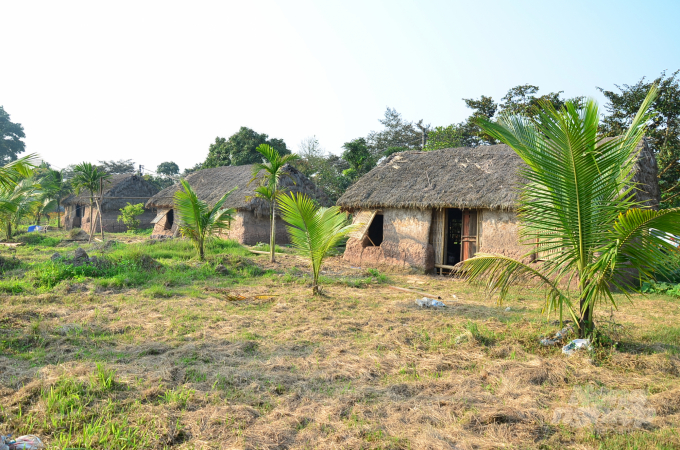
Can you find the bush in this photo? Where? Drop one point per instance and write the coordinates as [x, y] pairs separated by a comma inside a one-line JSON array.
[[7, 264], [38, 239], [128, 215]]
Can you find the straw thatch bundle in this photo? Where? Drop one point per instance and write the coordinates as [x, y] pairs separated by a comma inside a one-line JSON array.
[[118, 191], [211, 184], [481, 177]]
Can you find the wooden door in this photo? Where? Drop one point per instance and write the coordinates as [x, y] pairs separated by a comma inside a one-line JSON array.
[[437, 232], [469, 238]]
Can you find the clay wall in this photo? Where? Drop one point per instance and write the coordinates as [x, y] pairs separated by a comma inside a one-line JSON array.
[[109, 219], [499, 233], [405, 242]]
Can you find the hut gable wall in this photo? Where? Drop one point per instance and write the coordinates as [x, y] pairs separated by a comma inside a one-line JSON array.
[[405, 242], [500, 233]]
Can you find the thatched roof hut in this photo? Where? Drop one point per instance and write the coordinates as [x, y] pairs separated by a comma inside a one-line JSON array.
[[434, 209], [480, 177], [117, 192], [211, 184]]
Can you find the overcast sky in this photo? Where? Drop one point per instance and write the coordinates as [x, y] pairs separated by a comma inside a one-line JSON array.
[[158, 81]]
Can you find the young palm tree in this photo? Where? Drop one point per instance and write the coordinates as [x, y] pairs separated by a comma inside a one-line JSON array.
[[271, 168], [90, 177], [17, 202], [197, 220], [578, 203], [314, 231]]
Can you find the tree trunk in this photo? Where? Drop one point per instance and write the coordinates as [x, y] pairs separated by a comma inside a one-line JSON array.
[[272, 238], [585, 323], [201, 252], [101, 220], [9, 230], [58, 215], [91, 221]]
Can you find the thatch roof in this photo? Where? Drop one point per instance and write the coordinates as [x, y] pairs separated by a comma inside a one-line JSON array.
[[211, 184], [480, 177], [118, 191]]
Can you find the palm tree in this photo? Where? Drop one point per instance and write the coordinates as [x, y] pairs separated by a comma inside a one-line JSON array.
[[90, 177], [314, 231], [579, 204], [17, 203], [197, 220], [271, 168], [55, 187]]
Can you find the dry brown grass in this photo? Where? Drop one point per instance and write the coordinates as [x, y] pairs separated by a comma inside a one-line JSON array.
[[357, 368]]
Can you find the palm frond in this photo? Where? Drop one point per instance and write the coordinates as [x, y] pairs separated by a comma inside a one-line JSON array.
[[498, 273]]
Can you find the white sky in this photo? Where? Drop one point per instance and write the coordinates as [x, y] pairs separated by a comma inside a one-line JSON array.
[[158, 81]]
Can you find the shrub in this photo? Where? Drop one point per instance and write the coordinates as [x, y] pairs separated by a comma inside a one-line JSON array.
[[128, 215]]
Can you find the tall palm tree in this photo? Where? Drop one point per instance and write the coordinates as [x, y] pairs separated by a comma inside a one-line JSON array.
[[197, 220], [55, 188], [579, 204], [272, 169], [89, 177], [314, 231]]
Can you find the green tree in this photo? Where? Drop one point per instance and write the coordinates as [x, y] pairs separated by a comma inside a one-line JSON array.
[[128, 215], [444, 137], [168, 169], [197, 220], [89, 177], [18, 201], [396, 132], [11, 135], [241, 149], [314, 231], [56, 188], [663, 133], [579, 203], [359, 158], [272, 169], [122, 166], [324, 169]]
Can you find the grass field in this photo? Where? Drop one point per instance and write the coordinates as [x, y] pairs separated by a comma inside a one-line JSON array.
[[148, 348]]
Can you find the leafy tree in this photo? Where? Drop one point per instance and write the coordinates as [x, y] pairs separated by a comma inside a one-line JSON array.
[[128, 215], [160, 182], [121, 166], [241, 149], [16, 202], [578, 203], [89, 177], [664, 130], [324, 169], [168, 168], [190, 170], [359, 158], [444, 137], [55, 188], [397, 132], [197, 220], [11, 135], [272, 169], [314, 231]]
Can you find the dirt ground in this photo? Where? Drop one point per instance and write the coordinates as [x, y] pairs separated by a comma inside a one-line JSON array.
[[264, 365]]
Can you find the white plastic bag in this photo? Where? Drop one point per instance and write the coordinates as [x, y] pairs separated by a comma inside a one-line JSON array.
[[576, 344], [429, 303], [28, 442]]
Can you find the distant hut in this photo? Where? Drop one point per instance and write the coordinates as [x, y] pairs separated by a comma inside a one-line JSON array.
[[251, 223], [433, 209], [118, 191]]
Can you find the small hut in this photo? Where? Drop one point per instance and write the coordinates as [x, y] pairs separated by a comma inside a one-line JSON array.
[[433, 209], [252, 223], [117, 192]]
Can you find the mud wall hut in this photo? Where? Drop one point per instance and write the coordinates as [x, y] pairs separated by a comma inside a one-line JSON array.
[[117, 192], [252, 222], [431, 210]]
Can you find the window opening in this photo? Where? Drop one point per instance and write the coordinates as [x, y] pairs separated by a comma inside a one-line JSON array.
[[375, 231], [169, 219]]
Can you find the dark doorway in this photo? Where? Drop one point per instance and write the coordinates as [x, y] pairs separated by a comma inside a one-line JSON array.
[[79, 211], [375, 231], [454, 231], [169, 219]]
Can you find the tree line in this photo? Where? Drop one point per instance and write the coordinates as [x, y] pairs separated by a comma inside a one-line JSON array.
[[334, 173]]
